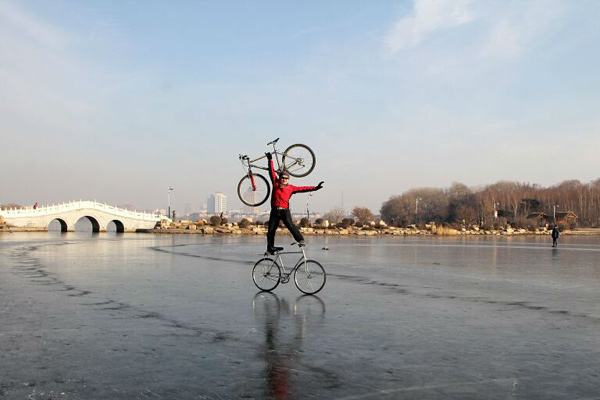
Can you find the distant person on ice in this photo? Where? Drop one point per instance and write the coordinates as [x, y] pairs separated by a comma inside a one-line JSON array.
[[280, 205], [555, 234]]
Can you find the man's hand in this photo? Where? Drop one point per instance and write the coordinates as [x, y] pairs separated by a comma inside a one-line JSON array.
[[320, 185], [269, 156]]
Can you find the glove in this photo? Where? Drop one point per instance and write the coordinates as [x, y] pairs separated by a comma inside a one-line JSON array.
[[269, 156], [320, 185]]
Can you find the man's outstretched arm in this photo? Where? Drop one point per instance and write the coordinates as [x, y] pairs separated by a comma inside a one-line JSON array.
[[304, 189]]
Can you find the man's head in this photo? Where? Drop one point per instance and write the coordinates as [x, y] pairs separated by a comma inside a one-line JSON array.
[[284, 177]]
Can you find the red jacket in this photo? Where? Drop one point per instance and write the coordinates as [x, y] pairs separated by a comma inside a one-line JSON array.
[[282, 193]]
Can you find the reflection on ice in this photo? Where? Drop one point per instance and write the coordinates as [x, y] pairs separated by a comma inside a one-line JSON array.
[[285, 328]]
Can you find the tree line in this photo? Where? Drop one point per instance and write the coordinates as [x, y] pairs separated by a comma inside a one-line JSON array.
[[498, 203]]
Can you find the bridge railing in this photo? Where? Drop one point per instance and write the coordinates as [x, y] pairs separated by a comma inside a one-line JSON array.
[[77, 205]]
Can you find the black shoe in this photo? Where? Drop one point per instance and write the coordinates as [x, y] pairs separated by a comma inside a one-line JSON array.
[[274, 250]]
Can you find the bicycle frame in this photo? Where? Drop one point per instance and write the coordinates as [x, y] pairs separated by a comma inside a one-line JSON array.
[[249, 164], [309, 276], [301, 260]]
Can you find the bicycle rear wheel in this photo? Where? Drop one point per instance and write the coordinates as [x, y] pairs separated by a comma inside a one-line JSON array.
[[253, 195], [266, 274], [298, 160], [310, 277]]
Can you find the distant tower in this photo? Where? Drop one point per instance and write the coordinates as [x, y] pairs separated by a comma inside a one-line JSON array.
[[220, 203], [217, 203]]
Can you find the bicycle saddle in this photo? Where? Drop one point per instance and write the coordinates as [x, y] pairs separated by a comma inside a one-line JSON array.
[[273, 142]]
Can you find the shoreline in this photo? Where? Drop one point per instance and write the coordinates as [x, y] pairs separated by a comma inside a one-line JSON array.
[[234, 230]]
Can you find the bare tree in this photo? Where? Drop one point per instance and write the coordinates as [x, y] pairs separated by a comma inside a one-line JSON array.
[[334, 216], [462, 204], [399, 209], [513, 201], [363, 214]]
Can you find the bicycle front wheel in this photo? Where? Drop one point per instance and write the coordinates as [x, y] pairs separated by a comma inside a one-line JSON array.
[[298, 160], [310, 277], [253, 190], [266, 274]]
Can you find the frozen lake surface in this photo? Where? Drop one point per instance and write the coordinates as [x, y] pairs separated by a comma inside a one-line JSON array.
[[107, 316]]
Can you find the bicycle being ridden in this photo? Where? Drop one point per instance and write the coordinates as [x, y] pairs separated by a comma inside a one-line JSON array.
[[309, 275]]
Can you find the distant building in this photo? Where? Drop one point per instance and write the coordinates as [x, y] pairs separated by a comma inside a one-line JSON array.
[[566, 217], [190, 208], [250, 210], [540, 217], [563, 217], [217, 203]]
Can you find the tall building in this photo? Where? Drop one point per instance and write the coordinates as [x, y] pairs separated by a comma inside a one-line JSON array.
[[217, 203]]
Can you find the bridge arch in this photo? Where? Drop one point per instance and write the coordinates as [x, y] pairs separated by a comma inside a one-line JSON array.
[[62, 222], [93, 221], [119, 226]]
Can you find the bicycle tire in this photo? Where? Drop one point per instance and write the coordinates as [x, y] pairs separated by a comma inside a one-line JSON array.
[[310, 277], [250, 197], [266, 274], [300, 162]]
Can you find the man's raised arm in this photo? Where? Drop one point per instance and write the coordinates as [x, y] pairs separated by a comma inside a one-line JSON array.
[[272, 174]]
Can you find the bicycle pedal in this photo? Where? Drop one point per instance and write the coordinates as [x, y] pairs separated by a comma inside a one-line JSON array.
[[285, 280]]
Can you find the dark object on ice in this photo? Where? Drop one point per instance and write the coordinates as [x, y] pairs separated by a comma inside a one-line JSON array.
[[555, 234]]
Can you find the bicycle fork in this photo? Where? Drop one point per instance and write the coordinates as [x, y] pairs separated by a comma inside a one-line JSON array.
[[251, 175], [304, 259]]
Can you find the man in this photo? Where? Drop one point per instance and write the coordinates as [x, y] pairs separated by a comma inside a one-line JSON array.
[[555, 234], [280, 205]]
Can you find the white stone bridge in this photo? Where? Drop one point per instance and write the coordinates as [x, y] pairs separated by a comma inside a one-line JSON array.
[[67, 214]]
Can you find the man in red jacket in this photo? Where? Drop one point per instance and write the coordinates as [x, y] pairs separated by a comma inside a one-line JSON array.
[[280, 205]]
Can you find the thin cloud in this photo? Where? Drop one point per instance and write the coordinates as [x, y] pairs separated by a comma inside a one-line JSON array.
[[31, 27], [428, 17], [514, 30]]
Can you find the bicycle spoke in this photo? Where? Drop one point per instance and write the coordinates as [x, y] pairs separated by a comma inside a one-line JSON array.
[[310, 277], [253, 193], [299, 160], [266, 274]]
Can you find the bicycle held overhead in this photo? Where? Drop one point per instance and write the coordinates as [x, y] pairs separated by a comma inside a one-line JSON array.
[[298, 160]]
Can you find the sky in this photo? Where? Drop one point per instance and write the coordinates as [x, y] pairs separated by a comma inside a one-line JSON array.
[[117, 101]]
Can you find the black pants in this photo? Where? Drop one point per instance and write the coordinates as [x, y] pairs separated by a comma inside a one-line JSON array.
[[285, 216], [554, 242]]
